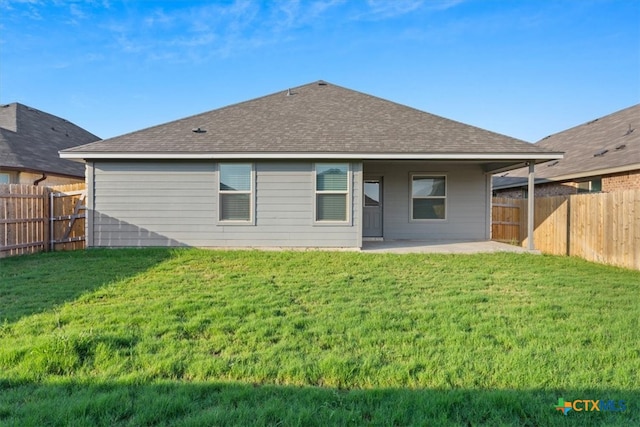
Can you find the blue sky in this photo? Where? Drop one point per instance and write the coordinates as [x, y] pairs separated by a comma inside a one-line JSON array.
[[523, 68]]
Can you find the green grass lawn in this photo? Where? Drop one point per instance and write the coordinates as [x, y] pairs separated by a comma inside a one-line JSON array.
[[197, 337]]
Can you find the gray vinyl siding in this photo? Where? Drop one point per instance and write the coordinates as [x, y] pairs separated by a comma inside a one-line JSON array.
[[176, 204], [466, 209]]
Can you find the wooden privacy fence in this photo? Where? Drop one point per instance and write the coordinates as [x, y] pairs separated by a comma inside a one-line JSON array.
[[601, 227], [506, 220], [67, 217], [24, 219], [35, 219]]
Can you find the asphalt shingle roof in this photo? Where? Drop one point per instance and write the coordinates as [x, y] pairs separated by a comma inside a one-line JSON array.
[[30, 140], [314, 118], [616, 137]]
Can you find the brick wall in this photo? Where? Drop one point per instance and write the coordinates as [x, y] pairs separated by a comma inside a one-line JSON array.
[[556, 189], [511, 193], [621, 181]]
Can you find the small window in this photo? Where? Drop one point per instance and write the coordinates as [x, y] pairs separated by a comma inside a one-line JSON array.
[[372, 193], [592, 186], [428, 197], [4, 178], [332, 192], [236, 189]]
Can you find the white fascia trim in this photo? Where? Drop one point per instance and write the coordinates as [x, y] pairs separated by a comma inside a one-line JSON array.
[[286, 156]]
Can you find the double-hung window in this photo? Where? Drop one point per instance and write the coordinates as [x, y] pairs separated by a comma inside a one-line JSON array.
[[332, 192], [236, 192], [428, 196]]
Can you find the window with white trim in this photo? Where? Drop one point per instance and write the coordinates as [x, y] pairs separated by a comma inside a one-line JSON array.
[[236, 192], [428, 196], [332, 192]]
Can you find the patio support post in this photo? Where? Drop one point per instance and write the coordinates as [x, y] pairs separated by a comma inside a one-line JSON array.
[[530, 206]]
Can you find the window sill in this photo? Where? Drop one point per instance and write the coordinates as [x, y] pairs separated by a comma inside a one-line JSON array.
[[229, 222], [332, 224]]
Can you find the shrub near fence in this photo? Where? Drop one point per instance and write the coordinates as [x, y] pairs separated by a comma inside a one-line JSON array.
[[26, 222], [601, 227]]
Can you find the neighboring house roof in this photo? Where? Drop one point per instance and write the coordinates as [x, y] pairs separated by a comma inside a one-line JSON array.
[[319, 120], [30, 140], [606, 145]]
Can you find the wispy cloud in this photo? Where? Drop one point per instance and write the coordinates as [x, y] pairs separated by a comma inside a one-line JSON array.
[[76, 12], [25, 8], [319, 7], [383, 9], [158, 18], [443, 4], [222, 29], [9, 3], [185, 31]]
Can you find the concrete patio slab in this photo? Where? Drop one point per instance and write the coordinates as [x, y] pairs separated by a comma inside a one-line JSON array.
[[443, 247]]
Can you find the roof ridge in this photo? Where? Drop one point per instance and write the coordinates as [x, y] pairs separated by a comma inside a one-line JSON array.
[[437, 116], [193, 116], [315, 117], [22, 109]]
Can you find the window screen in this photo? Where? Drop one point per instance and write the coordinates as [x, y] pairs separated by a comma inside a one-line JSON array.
[[235, 191], [332, 191]]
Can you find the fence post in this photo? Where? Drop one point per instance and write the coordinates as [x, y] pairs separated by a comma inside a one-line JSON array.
[[531, 206], [46, 219], [568, 238]]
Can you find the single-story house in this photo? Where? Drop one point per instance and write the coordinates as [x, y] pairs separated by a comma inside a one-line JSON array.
[[313, 166], [30, 140], [600, 155]]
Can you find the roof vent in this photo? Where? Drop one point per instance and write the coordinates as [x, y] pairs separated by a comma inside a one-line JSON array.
[[553, 163], [290, 92], [592, 121], [322, 83], [600, 153], [621, 146], [198, 130], [629, 130]]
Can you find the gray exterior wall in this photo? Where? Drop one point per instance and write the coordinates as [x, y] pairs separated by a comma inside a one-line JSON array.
[[468, 201], [146, 203], [176, 204]]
